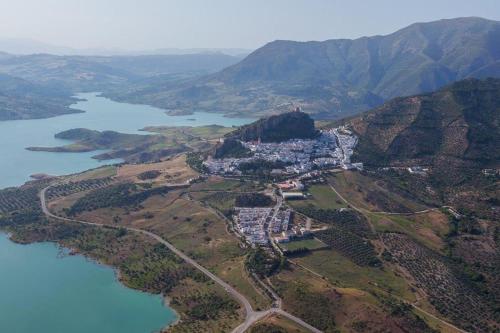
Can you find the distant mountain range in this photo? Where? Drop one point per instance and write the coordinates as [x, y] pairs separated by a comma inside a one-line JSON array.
[[330, 79], [339, 77], [29, 83], [83, 73], [26, 46]]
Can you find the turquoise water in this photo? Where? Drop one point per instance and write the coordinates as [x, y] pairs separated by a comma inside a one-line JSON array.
[[17, 164], [41, 291]]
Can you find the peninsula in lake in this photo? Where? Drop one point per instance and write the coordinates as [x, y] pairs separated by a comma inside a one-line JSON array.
[[343, 185]]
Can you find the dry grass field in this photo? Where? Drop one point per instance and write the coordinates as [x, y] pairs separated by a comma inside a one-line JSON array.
[[428, 228], [364, 192], [334, 309], [342, 272], [102, 172], [172, 171], [322, 196]]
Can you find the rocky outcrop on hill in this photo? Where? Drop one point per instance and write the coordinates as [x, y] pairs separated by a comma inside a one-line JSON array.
[[278, 128]]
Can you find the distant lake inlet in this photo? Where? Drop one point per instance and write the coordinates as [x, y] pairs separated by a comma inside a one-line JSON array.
[[17, 163]]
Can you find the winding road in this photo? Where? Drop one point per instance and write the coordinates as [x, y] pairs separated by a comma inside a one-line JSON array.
[[251, 316]]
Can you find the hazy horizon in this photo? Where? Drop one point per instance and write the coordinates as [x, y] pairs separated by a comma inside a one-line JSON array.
[[192, 24]]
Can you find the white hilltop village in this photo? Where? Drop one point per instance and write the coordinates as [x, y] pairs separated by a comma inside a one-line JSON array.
[[332, 148], [302, 159]]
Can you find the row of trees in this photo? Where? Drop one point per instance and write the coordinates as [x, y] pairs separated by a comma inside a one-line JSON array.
[[449, 289], [350, 245], [13, 199], [75, 187], [122, 195], [253, 200], [346, 219]]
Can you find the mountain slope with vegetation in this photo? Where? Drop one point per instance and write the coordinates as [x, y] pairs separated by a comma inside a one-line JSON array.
[[20, 99], [454, 132], [455, 126], [338, 77]]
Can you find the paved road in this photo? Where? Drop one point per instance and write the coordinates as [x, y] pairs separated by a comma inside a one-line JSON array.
[[276, 209], [251, 315], [262, 314]]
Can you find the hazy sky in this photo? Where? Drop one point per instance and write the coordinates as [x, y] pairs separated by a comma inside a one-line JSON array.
[[151, 24]]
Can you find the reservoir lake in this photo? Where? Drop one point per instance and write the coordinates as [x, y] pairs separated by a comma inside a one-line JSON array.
[[42, 291], [17, 163]]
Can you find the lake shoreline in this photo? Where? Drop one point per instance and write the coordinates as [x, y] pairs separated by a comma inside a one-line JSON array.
[[94, 113], [128, 257], [65, 251]]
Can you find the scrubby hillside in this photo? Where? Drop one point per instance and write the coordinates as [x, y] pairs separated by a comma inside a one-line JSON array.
[[454, 132], [455, 126], [20, 99]]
